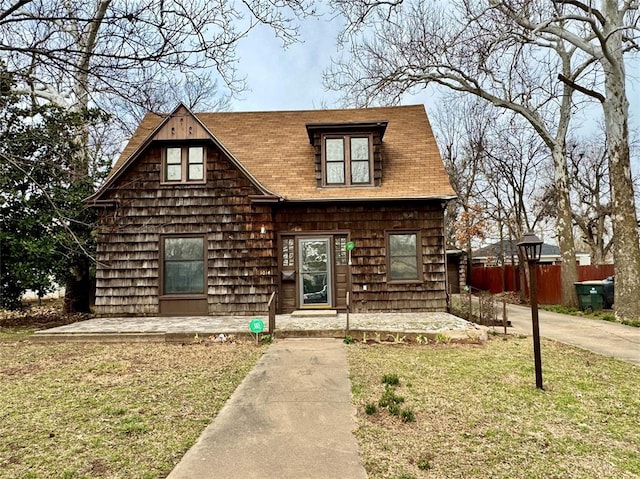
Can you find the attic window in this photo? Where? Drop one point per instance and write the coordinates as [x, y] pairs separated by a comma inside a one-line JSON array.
[[183, 164], [347, 159]]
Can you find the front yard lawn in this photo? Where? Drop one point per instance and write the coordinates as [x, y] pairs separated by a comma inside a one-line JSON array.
[[82, 410], [478, 414]]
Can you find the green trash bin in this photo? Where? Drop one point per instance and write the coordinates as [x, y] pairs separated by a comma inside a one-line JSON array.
[[590, 295]]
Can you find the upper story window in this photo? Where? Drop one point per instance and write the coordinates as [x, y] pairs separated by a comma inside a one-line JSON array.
[[183, 164], [347, 160]]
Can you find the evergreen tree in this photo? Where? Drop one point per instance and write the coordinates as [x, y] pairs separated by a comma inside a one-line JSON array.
[[45, 228]]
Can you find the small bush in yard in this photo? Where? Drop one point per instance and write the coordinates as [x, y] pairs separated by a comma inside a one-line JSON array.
[[424, 464], [370, 408], [391, 401], [631, 322], [393, 409], [407, 415], [390, 398], [391, 379]]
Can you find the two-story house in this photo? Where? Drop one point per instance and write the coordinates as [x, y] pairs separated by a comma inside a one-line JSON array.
[[210, 213]]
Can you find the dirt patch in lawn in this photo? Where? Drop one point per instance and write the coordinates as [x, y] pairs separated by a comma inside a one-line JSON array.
[[33, 317]]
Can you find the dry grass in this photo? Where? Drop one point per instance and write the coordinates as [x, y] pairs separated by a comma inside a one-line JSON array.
[[77, 411], [109, 410], [478, 414]]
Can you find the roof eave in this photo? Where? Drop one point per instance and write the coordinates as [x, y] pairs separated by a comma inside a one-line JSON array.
[[370, 199], [342, 127]]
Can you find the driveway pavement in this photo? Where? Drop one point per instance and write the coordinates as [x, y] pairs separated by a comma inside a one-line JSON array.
[[603, 337]]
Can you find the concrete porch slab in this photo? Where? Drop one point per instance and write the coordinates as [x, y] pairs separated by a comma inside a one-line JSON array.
[[315, 313], [393, 327]]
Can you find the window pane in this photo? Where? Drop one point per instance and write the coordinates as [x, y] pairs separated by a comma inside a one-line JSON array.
[[287, 252], [334, 149], [184, 277], [174, 172], [403, 244], [359, 148], [314, 255], [183, 249], [314, 288], [196, 172], [403, 257], [360, 172], [196, 154], [340, 243], [403, 268], [335, 172], [173, 156]]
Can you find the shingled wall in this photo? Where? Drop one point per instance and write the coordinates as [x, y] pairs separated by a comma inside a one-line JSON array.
[[367, 224], [241, 261]]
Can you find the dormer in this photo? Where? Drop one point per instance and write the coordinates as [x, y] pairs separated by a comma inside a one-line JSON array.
[[347, 154], [183, 140]]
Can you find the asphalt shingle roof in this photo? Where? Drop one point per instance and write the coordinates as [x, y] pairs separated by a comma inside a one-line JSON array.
[[274, 148]]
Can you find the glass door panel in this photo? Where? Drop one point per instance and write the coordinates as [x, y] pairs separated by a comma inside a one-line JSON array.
[[315, 271]]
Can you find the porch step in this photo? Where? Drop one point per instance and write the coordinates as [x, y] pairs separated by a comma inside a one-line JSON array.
[[315, 313]]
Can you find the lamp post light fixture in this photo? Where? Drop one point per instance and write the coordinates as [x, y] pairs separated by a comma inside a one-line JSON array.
[[531, 249]]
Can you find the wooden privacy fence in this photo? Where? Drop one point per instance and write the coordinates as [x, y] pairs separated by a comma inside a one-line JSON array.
[[549, 285]]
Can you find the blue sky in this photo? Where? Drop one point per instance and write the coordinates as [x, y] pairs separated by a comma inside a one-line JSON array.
[[291, 79]]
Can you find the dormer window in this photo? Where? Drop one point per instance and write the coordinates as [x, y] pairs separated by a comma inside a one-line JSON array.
[[183, 164], [348, 154], [347, 160]]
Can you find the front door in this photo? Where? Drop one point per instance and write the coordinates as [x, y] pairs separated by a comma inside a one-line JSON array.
[[314, 272]]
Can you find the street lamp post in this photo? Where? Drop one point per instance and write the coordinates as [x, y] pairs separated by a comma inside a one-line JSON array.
[[531, 249]]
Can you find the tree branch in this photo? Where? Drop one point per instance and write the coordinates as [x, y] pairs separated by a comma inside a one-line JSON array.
[[585, 8], [581, 89], [12, 9]]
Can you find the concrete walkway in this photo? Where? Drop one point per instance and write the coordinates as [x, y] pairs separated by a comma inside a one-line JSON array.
[[290, 418], [602, 337]]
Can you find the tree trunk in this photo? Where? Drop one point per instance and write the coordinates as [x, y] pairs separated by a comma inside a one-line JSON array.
[[569, 269], [626, 250], [469, 261], [523, 281], [77, 298]]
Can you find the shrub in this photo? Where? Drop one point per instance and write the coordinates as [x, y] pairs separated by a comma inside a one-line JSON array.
[[390, 398], [407, 415], [424, 464], [370, 408], [391, 379]]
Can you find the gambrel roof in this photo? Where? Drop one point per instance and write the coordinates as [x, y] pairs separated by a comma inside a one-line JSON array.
[[273, 149]]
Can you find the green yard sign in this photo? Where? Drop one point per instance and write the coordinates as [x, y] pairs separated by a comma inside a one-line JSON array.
[[256, 325], [350, 245]]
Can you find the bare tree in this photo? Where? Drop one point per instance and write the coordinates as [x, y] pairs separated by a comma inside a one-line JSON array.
[[516, 159], [591, 194], [395, 47], [604, 35], [462, 124]]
